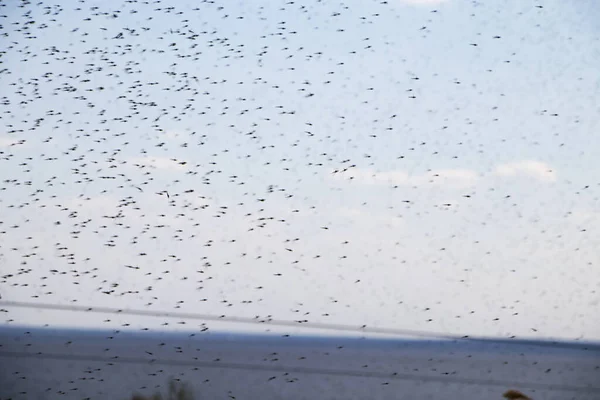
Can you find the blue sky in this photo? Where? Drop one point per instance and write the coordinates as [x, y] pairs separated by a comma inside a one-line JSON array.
[[446, 147]]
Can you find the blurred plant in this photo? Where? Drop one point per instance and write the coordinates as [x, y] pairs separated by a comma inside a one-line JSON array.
[[177, 391], [182, 391], [515, 395]]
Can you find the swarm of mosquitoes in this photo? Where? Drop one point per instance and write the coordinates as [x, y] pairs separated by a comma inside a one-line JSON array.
[[189, 136]]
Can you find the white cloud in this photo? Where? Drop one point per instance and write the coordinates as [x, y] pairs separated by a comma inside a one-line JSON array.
[[368, 219], [158, 163], [442, 177], [370, 177], [584, 215], [454, 177], [350, 212], [534, 169], [175, 134], [95, 204], [423, 2]]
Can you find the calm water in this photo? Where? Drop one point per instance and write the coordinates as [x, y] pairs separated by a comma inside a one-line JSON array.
[[77, 364]]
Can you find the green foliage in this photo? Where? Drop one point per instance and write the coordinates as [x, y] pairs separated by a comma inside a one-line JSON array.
[[177, 391]]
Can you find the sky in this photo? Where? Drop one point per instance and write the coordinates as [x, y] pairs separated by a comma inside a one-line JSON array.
[[425, 165]]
